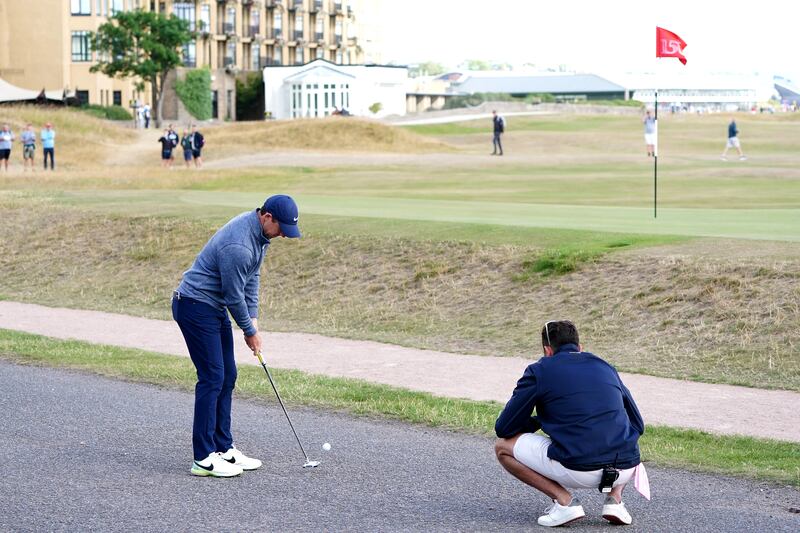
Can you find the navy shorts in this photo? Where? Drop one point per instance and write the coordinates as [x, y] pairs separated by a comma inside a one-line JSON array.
[[196, 152], [166, 154], [5, 153], [187, 155]]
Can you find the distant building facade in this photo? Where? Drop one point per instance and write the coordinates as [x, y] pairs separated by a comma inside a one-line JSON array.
[[45, 43], [321, 89]]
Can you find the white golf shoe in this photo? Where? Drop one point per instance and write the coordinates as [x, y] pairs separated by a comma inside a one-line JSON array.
[[616, 513], [235, 457], [215, 466], [558, 515]]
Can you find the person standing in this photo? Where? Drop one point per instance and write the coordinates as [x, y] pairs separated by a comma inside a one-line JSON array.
[[650, 133], [166, 149], [175, 139], [198, 141], [592, 423], [6, 139], [499, 127], [224, 278], [48, 136], [186, 144], [146, 115], [733, 142], [28, 138]]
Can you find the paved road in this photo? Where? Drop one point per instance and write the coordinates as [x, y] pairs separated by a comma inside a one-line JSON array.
[[662, 401], [84, 453]]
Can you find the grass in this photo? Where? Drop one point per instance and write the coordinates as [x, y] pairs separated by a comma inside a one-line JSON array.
[[667, 447]]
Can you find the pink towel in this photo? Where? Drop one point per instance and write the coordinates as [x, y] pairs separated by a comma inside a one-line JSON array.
[[640, 481]]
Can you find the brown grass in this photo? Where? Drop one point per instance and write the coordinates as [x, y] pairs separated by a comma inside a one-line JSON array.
[[328, 134], [727, 320]]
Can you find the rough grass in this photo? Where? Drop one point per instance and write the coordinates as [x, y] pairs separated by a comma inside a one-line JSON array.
[[81, 140], [743, 456], [711, 319], [332, 133]]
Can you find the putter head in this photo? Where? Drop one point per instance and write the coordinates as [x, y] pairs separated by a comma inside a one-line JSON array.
[[310, 464]]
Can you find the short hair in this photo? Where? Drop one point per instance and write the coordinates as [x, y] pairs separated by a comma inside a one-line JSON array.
[[556, 333]]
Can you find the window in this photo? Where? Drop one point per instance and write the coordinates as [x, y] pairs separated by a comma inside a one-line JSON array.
[[338, 31], [255, 22], [83, 97], [102, 8], [298, 55], [339, 57], [320, 28], [190, 54], [81, 50], [117, 6], [205, 18], [277, 24], [256, 57], [117, 97], [298, 26], [277, 57], [230, 54], [80, 7], [230, 20], [185, 11], [320, 51]]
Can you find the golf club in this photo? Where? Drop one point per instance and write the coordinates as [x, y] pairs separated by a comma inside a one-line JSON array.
[[309, 463]]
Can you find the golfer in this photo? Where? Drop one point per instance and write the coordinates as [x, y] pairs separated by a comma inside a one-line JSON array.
[[592, 422], [225, 278]]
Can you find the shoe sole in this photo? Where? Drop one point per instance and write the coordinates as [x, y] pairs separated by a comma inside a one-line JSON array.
[[565, 523], [206, 473], [614, 519]]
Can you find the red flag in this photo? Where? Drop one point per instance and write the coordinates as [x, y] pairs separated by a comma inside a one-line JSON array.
[[669, 45]]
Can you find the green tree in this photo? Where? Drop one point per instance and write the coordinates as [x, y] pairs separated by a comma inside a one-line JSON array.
[[143, 45], [195, 93], [428, 68], [477, 64]]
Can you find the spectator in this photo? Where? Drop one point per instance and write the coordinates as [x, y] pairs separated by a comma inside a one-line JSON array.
[[198, 141], [166, 149], [650, 133], [733, 142], [499, 127], [186, 144], [146, 115], [28, 138], [48, 136], [173, 136], [6, 138]]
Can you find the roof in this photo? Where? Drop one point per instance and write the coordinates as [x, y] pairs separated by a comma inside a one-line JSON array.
[[12, 93], [557, 83]]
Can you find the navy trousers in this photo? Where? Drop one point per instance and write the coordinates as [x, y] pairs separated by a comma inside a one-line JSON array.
[[209, 338]]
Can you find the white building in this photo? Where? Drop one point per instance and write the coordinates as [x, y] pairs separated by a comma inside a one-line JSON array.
[[319, 88]]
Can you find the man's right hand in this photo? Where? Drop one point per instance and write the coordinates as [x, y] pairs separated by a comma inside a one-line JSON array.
[[253, 342]]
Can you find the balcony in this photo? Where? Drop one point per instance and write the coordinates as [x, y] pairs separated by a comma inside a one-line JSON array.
[[229, 28], [253, 31], [298, 35], [319, 36], [337, 8], [273, 3], [294, 5], [350, 11], [337, 39], [316, 6], [275, 33], [229, 61]]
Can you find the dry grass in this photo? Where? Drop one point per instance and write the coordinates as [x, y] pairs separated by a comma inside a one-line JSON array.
[[725, 320], [81, 140], [332, 133]]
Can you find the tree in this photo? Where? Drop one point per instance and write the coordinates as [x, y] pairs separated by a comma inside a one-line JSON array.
[[427, 68], [141, 44]]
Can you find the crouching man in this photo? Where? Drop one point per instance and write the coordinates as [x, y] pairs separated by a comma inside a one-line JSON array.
[[592, 422]]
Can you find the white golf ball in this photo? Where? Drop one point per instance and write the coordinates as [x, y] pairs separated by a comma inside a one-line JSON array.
[[326, 446]]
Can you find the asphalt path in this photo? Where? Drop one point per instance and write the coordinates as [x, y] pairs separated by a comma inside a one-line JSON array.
[[85, 453]]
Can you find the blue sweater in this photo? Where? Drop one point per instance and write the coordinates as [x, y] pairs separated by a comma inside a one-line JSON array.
[[582, 405], [226, 272]]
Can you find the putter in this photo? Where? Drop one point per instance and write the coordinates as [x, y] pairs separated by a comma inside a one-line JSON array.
[[309, 463]]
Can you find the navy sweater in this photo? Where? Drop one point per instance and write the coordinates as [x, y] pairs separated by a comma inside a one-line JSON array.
[[582, 405]]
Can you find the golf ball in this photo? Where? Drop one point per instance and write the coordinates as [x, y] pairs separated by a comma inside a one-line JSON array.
[[326, 446]]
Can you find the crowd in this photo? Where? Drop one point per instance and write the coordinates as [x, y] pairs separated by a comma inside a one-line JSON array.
[[28, 140], [192, 142]]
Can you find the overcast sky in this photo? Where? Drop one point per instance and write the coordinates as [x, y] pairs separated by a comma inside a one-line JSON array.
[[616, 36]]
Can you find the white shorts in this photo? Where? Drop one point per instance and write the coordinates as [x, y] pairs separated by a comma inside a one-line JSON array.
[[650, 138], [733, 142], [531, 450]]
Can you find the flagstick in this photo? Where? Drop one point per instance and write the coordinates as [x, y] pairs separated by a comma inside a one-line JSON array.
[[655, 166]]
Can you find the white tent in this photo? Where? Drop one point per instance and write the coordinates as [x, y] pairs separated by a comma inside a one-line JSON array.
[[12, 93]]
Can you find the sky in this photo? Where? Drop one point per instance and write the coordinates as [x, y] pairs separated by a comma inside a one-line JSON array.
[[613, 37]]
